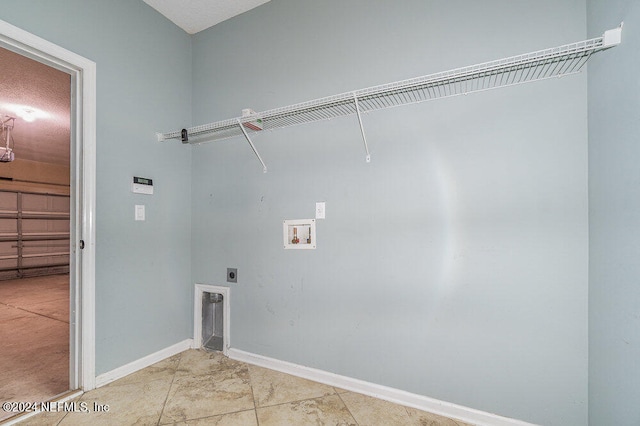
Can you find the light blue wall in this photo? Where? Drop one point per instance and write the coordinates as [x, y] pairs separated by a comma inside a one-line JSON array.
[[454, 265], [143, 278], [458, 256], [614, 224]]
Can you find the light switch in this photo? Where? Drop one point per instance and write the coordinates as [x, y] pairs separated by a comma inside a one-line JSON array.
[[139, 211], [320, 210]]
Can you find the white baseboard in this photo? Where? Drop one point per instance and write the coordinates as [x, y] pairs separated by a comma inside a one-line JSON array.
[[443, 408], [141, 363], [397, 396]]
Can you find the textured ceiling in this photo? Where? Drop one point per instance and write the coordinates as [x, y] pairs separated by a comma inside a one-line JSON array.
[[28, 84], [196, 15]]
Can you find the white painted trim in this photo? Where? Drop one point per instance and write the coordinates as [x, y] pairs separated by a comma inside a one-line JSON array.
[[443, 408], [88, 226], [197, 314], [83, 72], [137, 365]]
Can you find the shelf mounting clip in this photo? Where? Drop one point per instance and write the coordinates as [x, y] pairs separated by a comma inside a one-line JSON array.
[[364, 137], [253, 147]]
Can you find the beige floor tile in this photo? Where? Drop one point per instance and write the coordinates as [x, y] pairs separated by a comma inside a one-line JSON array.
[[243, 418], [51, 417], [370, 411], [272, 387], [193, 397], [160, 370], [328, 410], [206, 388], [129, 404], [199, 362], [44, 419], [424, 418]]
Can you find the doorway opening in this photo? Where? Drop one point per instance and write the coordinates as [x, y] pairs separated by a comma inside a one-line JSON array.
[[54, 221], [35, 111]]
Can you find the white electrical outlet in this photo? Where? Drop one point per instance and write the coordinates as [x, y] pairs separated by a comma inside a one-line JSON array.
[[320, 210]]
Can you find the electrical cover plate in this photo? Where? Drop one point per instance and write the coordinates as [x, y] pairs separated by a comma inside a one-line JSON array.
[[139, 212], [232, 275]]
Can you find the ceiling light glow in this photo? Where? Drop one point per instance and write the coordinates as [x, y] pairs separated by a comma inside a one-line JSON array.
[[25, 112], [27, 115]]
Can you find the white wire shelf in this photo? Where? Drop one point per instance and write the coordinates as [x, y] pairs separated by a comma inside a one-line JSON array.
[[543, 64]]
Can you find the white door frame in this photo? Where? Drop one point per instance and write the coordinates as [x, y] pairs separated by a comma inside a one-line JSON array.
[[83, 185]]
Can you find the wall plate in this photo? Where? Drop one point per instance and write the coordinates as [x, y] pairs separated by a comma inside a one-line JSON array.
[[139, 212], [299, 234], [232, 275]]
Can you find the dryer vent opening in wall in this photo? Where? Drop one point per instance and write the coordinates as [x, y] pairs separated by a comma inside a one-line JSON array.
[[212, 317], [212, 321]]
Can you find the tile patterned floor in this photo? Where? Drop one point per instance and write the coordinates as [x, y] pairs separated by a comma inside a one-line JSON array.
[[206, 388]]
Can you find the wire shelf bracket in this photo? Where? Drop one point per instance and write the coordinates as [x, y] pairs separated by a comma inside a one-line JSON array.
[[253, 147], [540, 65], [364, 137]]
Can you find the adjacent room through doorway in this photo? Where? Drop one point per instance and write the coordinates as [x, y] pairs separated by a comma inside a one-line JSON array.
[[35, 108]]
